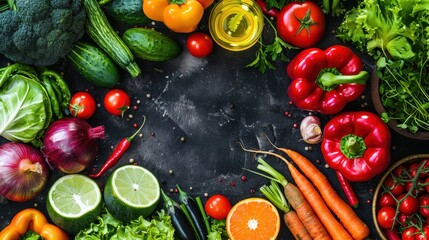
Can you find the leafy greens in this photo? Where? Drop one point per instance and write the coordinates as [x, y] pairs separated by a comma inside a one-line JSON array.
[[396, 34], [26, 105], [106, 227]]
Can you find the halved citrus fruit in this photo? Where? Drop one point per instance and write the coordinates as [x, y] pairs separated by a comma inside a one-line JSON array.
[[73, 202], [253, 218], [131, 191]]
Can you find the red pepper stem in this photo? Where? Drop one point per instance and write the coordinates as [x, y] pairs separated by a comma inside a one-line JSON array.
[[329, 78], [352, 146], [348, 190], [131, 138]]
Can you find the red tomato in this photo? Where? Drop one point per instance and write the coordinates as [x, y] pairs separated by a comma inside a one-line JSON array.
[[386, 217], [386, 199], [413, 168], [301, 24], [404, 219], [424, 205], [116, 102], [422, 234], [218, 207], [199, 44], [399, 171], [394, 187], [82, 105], [416, 189], [409, 233], [408, 204]]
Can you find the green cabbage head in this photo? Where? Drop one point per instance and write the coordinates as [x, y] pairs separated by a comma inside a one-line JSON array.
[[25, 108]]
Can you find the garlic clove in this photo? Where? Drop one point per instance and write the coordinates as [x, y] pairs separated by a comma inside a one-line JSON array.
[[311, 130]]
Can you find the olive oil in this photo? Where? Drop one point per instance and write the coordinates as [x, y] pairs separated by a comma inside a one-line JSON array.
[[236, 25]]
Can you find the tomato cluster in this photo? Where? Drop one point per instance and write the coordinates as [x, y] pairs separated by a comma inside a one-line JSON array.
[[403, 204]]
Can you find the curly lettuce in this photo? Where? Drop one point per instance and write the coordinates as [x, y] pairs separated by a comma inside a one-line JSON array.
[[106, 227], [393, 28]]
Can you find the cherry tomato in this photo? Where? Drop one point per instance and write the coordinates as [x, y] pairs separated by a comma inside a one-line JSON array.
[[413, 168], [409, 233], [199, 44], [218, 207], [422, 234], [424, 205], [399, 171], [116, 102], [301, 24], [386, 217], [386, 199], [408, 204], [416, 189], [394, 187], [404, 219], [82, 105]]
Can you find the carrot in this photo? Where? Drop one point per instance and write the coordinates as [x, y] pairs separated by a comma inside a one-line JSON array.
[[296, 200], [351, 221], [333, 227], [291, 218]]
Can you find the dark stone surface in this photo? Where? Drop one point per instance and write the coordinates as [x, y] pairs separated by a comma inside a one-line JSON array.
[[197, 110]]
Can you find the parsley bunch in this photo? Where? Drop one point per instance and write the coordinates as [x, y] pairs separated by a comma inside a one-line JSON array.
[[266, 55]]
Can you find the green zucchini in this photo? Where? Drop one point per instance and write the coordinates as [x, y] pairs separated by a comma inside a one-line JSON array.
[[151, 45], [99, 29], [126, 11], [94, 65]]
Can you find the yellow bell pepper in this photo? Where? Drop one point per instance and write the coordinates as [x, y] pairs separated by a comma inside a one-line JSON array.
[[32, 219], [182, 16]]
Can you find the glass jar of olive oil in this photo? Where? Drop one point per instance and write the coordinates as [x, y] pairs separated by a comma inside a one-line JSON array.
[[236, 25]]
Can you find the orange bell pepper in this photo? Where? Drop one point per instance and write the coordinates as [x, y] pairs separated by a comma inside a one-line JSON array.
[[32, 219], [182, 16]]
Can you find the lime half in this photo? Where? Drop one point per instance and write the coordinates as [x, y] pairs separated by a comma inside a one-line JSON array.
[[74, 201], [131, 191]]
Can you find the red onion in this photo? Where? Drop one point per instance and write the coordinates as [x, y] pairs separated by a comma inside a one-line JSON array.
[[70, 144], [23, 171]]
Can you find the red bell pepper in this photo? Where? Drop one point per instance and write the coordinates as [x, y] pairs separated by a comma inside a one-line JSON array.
[[356, 145], [326, 80]]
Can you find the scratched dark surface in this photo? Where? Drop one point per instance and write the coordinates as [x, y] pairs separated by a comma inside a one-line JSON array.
[[212, 103]]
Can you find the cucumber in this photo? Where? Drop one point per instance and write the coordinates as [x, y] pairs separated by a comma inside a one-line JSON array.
[[99, 29], [126, 11], [151, 45], [94, 65]]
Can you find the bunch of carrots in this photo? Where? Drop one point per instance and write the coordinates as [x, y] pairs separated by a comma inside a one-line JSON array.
[[320, 201]]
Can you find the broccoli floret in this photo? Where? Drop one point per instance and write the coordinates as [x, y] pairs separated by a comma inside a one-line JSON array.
[[40, 32]]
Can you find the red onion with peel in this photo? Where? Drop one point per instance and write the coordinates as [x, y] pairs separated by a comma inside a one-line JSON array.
[[70, 144], [23, 171]]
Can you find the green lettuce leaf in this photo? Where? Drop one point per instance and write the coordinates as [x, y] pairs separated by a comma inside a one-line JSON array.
[[106, 227]]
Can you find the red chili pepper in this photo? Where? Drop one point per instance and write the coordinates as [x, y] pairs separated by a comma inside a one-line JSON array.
[[326, 80], [270, 12], [356, 144], [117, 153], [348, 190]]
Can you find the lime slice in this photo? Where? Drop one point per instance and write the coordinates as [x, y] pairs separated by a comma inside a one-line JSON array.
[[74, 201], [131, 191]]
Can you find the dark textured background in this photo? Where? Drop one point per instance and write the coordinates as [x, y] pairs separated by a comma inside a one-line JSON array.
[[211, 103]]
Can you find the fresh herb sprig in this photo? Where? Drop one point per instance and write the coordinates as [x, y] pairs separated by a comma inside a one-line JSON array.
[[266, 55], [404, 93]]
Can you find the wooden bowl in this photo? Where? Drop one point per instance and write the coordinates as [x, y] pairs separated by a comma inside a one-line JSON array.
[[407, 160], [375, 81]]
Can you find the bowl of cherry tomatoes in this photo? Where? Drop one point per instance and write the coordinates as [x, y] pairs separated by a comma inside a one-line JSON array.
[[400, 207]]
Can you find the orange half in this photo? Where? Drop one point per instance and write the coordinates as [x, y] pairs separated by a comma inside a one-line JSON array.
[[253, 218]]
